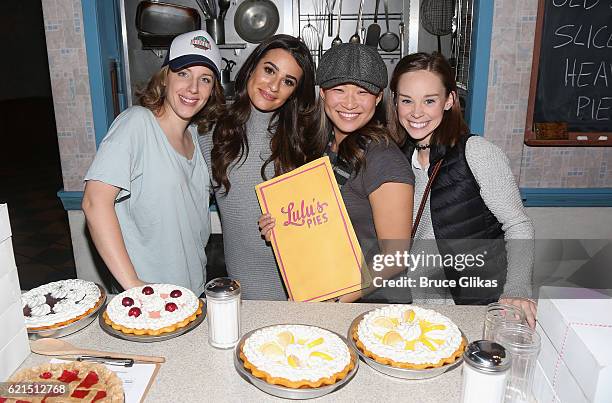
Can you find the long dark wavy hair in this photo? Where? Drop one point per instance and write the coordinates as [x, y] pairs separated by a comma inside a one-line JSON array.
[[452, 127], [289, 144], [153, 95], [353, 148]]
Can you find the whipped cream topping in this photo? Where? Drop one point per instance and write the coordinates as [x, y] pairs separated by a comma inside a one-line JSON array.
[[68, 299], [62, 306], [152, 303], [316, 353], [33, 300], [418, 344], [60, 292], [153, 313], [41, 310], [408, 331]]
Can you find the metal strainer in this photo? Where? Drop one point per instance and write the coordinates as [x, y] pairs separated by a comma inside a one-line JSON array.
[[437, 17]]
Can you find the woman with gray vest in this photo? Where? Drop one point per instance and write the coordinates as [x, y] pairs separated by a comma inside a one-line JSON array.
[[261, 136], [470, 203], [375, 179]]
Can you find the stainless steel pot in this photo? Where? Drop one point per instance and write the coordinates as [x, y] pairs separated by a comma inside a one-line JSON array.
[[256, 20], [158, 23]]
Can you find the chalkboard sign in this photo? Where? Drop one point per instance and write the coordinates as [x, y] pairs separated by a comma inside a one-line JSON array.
[[571, 77]]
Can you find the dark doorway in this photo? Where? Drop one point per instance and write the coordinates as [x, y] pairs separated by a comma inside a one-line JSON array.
[[30, 170]]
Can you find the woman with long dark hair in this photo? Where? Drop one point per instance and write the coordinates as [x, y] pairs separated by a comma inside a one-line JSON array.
[[474, 206], [375, 179], [147, 191], [262, 135]]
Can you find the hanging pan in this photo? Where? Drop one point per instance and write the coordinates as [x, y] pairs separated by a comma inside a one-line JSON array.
[[256, 20], [389, 41], [437, 18], [158, 23]]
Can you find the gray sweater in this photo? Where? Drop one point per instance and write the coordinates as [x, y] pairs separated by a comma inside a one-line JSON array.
[[247, 256]]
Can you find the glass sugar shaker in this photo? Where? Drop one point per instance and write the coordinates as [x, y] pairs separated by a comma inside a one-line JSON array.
[[485, 372], [223, 312]]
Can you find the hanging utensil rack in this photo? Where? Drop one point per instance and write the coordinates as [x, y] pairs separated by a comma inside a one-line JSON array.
[[311, 11]]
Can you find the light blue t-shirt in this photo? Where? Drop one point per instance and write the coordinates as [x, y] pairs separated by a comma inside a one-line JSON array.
[[162, 206]]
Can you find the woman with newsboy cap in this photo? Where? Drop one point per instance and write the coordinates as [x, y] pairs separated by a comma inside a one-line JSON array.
[[376, 182], [147, 190]]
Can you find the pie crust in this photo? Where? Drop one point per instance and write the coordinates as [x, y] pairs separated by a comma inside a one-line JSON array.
[[77, 378], [296, 384], [45, 292], [67, 322], [301, 383], [407, 365], [412, 345], [153, 332]]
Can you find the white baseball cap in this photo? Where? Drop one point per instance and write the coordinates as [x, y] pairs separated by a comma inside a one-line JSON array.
[[194, 48]]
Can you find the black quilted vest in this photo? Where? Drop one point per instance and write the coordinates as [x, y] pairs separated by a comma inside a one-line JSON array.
[[463, 224]]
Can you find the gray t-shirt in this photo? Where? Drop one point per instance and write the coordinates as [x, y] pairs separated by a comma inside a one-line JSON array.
[[248, 258], [162, 206], [383, 163]]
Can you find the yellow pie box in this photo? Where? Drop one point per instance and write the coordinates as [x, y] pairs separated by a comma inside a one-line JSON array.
[[314, 242]]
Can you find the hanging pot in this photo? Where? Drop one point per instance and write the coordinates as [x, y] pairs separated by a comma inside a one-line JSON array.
[[256, 20], [158, 23]]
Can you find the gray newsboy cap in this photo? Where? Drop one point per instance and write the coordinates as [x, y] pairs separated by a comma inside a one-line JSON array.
[[352, 63]]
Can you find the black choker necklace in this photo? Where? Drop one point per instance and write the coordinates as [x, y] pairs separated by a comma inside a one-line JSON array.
[[422, 146]]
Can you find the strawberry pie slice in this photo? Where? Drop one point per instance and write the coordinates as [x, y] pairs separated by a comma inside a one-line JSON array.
[[70, 382]]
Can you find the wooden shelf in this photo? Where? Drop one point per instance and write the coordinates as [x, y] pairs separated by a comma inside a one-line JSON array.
[[592, 140]]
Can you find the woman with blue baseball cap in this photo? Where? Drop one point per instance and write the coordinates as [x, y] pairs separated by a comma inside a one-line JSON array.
[[147, 190]]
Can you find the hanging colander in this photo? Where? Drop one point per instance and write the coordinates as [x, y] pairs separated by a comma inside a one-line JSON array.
[[437, 17]]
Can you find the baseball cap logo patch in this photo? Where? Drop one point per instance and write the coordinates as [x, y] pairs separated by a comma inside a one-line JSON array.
[[200, 42]]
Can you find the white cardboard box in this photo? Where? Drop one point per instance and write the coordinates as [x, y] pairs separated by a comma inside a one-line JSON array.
[[14, 346], [577, 324], [10, 290], [5, 227], [558, 377], [542, 389], [13, 354]]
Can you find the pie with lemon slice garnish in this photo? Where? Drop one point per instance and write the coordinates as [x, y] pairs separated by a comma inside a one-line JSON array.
[[406, 336], [296, 356]]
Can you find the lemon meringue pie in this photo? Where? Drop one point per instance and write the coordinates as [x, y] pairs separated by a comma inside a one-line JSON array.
[[407, 336], [296, 356]]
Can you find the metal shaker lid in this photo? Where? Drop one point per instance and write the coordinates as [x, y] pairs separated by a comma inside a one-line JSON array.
[[487, 356], [221, 288]]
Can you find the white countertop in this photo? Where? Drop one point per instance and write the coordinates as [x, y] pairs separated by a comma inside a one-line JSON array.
[[196, 372]]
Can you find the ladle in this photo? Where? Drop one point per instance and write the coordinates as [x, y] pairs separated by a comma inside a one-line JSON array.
[[206, 11], [50, 346], [355, 38], [224, 5], [389, 41], [337, 40]]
